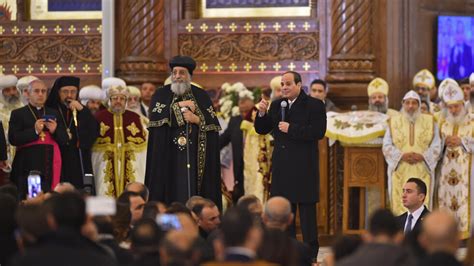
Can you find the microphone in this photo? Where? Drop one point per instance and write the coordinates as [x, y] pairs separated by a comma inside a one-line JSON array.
[[354, 108], [74, 116], [74, 111], [283, 106]]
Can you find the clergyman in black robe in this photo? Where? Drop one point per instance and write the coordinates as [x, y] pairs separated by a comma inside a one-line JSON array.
[[166, 167], [36, 134], [64, 99]]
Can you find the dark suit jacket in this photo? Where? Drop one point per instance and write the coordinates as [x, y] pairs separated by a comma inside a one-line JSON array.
[[402, 220], [411, 239], [295, 159], [233, 134], [3, 144], [374, 254], [63, 247], [440, 259]]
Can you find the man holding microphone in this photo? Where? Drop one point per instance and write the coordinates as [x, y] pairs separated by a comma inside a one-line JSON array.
[[296, 122], [81, 127]]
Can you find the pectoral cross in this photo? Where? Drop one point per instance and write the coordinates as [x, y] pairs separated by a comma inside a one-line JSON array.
[[69, 134], [42, 136]]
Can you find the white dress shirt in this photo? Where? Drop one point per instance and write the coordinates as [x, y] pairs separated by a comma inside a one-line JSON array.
[[416, 215]]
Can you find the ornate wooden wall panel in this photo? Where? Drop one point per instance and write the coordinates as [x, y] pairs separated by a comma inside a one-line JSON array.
[[250, 50], [352, 64], [48, 49], [140, 42]]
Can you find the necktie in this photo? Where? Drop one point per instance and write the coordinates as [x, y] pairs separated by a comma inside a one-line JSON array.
[[408, 227]]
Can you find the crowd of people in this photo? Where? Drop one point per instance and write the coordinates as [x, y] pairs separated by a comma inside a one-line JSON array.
[[195, 181]]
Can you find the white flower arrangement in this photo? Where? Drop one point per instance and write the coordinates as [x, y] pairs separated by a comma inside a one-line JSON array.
[[229, 102]]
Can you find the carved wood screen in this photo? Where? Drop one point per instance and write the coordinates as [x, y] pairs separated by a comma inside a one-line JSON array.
[[251, 50], [48, 49]]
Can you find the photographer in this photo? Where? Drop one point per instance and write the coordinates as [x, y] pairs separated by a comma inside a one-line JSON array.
[[34, 130]]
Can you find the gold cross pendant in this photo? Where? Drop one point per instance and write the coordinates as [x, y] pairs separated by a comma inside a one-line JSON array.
[[69, 134], [42, 136]]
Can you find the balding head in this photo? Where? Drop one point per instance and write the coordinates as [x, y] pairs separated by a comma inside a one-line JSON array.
[[64, 187], [277, 213], [440, 232]]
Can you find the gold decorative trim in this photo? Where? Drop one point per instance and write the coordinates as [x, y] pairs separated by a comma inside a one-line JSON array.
[[137, 140], [159, 123], [178, 114], [133, 129], [212, 128], [105, 140]]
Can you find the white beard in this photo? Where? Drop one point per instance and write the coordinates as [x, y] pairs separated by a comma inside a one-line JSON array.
[[411, 117], [458, 119], [180, 88], [135, 109], [12, 100]]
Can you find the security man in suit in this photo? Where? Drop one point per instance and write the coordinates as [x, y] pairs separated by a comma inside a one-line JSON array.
[[414, 194]]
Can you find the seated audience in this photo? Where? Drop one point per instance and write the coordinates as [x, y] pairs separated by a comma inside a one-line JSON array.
[[64, 245], [139, 188], [277, 215], [8, 246], [136, 203], [441, 238], [208, 217], [251, 203], [382, 244], [146, 236]]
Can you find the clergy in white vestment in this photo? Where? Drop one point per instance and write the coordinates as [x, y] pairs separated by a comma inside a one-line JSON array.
[[411, 147], [454, 189], [10, 100]]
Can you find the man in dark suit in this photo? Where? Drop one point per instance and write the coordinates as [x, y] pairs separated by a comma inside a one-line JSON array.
[[297, 122], [277, 216], [381, 246], [233, 134], [3, 148], [241, 235], [64, 245], [414, 194], [440, 237]]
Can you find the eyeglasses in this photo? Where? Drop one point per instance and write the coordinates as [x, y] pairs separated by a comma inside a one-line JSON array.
[[118, 98], [68, 92], [40, 91]]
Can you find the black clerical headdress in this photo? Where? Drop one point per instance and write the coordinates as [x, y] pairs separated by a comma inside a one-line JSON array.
[[53, 98], [183, 61]]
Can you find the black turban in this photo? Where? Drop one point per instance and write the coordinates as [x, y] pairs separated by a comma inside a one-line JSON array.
[[53, 98], [183, 61]]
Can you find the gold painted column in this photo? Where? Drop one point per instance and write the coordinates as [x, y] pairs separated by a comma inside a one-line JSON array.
[[352, 63], [140, 39]]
